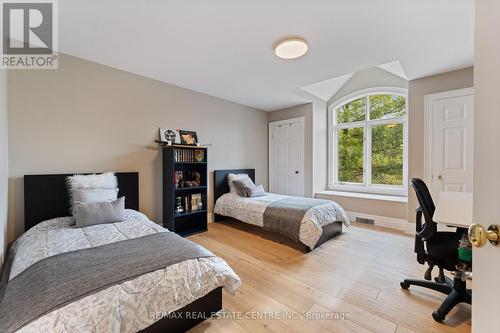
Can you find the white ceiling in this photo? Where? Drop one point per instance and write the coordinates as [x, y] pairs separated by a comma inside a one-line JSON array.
[[224, 47], [394, 67], [328, 88]]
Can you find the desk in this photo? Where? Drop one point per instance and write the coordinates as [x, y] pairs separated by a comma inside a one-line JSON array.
[[454, 209]]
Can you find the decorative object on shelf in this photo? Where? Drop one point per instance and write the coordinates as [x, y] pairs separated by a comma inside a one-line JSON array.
[[179, 179], [188, 137], [178, 205], [199, 155], [196, 202], [168, 136], [193, 179]]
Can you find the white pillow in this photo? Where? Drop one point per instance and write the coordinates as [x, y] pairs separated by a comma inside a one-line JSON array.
[[231, 177], [105, 180], [84, 195]]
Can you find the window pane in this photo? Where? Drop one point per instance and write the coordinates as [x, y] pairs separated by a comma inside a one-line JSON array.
[[350, 158], [387, 106], [352, 111], [387, 154]]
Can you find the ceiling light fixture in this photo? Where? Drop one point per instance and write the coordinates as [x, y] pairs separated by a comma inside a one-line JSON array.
[[291, 48]]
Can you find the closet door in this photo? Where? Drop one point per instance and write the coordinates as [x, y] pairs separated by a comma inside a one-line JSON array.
[[286, 157]]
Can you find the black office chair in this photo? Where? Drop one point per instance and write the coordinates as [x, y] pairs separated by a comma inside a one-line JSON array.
[[441, 251]]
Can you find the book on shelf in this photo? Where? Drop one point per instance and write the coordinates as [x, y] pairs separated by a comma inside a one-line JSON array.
[[189, 155], [196, 203], [189, 203], [199, 155]]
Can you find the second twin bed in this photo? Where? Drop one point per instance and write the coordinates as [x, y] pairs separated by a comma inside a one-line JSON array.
[[307, 221]]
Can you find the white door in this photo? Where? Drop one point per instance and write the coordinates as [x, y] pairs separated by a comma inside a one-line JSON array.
[[449, 148], [286, 157], [486, 260]]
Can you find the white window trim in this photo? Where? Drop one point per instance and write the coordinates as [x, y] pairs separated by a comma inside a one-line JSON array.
[[367, 125]]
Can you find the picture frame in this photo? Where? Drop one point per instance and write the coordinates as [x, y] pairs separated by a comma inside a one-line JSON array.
[[179, 179], [189, 138], [199, 155], [167, 135]]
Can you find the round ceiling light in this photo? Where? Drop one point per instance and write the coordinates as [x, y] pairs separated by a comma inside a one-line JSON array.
[[291, 48]]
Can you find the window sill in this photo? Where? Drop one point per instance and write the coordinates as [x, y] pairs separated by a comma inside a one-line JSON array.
[[371, 196]]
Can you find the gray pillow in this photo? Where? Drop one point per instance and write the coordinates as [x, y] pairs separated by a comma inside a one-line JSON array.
[[100, 212], [257, 191], [244, 186], [87, 196], [235, 176]]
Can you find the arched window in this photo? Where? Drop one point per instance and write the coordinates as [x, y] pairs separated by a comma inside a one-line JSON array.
[[368, 136]]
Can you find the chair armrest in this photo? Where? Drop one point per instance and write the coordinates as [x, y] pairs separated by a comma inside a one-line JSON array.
[[418, 222], [419, 243]]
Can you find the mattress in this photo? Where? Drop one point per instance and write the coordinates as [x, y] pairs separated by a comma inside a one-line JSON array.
[[251, 210], [129, 306]]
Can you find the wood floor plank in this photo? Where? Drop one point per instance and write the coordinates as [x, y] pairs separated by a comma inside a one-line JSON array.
[[357, 273]]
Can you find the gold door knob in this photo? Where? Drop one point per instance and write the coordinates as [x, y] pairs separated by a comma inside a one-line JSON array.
[[478, 235]]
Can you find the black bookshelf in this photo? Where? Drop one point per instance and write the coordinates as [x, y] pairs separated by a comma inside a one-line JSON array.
[[190, 195]]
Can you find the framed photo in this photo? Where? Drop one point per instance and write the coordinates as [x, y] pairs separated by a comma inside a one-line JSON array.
[[199, 155], [179, 179], [167, 135], [188, 137]]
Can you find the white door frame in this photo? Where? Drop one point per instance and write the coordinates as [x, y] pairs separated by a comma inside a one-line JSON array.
[[428, 101], [282, 122]]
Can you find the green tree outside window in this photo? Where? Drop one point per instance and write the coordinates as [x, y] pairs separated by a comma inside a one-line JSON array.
[[387, 139]]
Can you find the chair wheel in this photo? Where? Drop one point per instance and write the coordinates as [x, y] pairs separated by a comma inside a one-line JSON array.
[[404, 285], [437, 316]]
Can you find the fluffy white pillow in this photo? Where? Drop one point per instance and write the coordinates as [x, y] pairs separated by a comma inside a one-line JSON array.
[[92, 188], [105, 180], [84, 195], [236, 176]]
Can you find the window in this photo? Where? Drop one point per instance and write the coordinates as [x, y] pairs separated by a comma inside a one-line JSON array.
[[368, 143]]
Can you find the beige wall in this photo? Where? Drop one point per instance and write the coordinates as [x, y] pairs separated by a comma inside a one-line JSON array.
[[369, 78], [417, 90], [306, 111], [89, 117], [4, 164], [383, 208], [320, 145]]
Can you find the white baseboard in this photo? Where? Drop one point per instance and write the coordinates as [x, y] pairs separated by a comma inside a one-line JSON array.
[[384, 221]]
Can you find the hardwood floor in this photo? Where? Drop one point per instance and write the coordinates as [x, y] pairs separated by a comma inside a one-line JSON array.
[[356, 274]]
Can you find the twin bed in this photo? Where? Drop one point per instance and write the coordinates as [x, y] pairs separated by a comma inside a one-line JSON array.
[[134, 275], [127, 276], [310, 222]]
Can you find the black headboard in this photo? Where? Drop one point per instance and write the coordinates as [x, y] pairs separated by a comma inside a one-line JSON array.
[[46, 196], [220, 182]]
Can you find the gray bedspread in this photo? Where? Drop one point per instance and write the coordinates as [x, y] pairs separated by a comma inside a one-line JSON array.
[[285, 216], [63, 278]]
